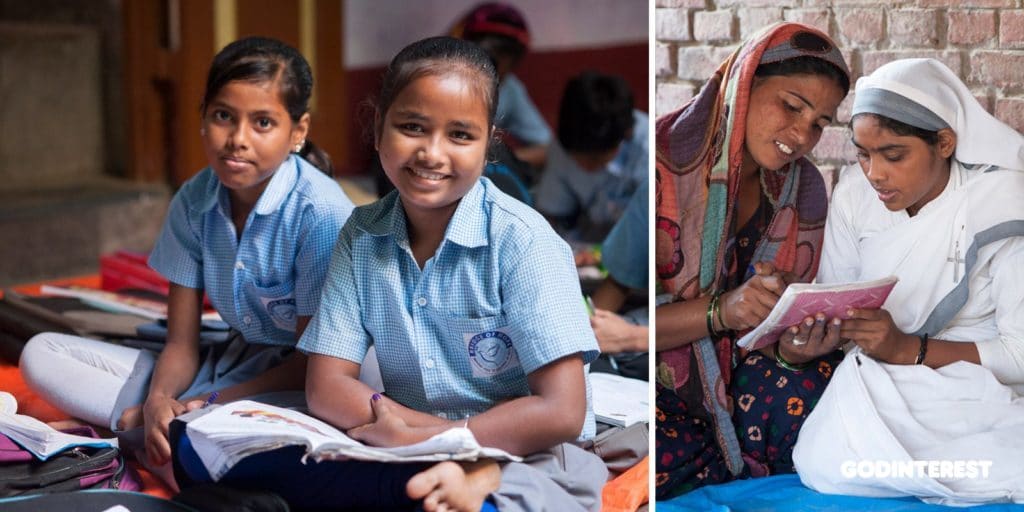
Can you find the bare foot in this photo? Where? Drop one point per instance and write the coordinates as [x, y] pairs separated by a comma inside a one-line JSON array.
[[449, 486]]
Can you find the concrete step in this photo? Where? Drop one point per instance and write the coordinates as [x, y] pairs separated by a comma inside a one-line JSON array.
[[53, 232]]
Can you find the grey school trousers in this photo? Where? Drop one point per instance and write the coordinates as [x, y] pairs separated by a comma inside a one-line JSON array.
[[563, 478]]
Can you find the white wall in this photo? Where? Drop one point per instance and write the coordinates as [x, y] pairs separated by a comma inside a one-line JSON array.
[[376, 29]]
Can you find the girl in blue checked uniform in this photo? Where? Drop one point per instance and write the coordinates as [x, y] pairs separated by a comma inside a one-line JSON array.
[[473, 305], [254, 230]]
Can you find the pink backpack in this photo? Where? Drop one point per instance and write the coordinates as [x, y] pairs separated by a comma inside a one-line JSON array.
[[81, 467]]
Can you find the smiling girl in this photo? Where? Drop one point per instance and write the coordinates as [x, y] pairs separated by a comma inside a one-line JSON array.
[[740, 214], [254, 231], [469, 297]]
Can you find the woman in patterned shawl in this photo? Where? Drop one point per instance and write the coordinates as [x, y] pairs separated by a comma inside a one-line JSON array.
[[740, 214]]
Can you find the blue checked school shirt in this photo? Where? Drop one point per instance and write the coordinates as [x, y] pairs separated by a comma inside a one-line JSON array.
[[595, 199], [499, 299], [262, 282], [624, 251]]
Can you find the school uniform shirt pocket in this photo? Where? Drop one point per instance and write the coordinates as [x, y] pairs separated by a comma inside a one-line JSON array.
[[489, 345], [278, 303]]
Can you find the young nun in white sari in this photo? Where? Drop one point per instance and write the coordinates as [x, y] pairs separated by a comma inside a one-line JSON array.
[[928, 402]]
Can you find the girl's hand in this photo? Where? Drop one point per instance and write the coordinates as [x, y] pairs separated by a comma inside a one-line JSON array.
[[811, 339], [748, 305], [158, 412], [388, 429], [874, 332], [130, 418]]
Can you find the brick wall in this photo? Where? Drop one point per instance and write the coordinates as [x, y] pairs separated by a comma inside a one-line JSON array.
[[981, 40]]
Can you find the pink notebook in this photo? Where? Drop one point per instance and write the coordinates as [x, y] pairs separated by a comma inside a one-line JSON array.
[[802, 300]]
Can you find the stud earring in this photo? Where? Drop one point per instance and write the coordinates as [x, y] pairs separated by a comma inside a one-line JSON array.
[[298, 147]]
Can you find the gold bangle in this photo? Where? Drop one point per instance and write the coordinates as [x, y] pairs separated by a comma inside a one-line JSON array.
[[709, 316], [718, 314]]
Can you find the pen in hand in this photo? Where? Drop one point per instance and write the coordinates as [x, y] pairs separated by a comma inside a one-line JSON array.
[[210, 399]]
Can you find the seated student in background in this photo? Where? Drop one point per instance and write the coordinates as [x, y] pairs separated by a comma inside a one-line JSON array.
[[254, 230], [472, 303], [623, 338], [936, 374], [500, 29], [599, 161]]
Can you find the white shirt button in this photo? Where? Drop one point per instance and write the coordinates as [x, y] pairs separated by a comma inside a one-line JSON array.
[[422, 301], [429, 363], [247, 319], [239, 265], [442, 415]]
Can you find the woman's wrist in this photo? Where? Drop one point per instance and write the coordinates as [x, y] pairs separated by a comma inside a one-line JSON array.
[[783, 350]]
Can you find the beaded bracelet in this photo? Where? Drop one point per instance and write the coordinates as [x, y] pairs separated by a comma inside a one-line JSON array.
[[924, 349], [710, 318], [781, 361]]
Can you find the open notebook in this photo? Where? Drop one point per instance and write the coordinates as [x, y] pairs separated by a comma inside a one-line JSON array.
[[38, 437], [802, 300]]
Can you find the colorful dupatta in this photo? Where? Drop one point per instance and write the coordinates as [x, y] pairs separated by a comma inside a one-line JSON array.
[[699, 152]]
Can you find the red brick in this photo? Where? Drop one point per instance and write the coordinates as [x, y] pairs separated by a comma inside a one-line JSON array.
[[752, 20], [672, 96], [835, 145], [828, 174], [860, 25], [817, 18], [722, 4], [672, 25], [986, 102], [872, 60], [675, 4], [971, 27], [1001, 69], [966, 3], [845, 107], [699, 62], [838, 3], [1011, 112], [662, 60], [914, 27], [712, 26], [1011, 29]]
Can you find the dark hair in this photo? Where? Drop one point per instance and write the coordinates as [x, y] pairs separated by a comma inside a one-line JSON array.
[[902, 129], [596, 112], [439, 56], [805, 65], [261, 60]]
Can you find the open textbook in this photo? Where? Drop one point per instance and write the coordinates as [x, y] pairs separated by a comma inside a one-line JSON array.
[[38, 437], [231, 432], [801, 300]]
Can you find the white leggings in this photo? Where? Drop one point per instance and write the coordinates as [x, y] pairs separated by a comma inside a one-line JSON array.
[[80, 376], [85, 377]]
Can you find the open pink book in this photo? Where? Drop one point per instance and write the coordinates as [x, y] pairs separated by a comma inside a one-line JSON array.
[[802, 300]]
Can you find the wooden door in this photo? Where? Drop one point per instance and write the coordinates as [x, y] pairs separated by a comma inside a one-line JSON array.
[[168, 48]]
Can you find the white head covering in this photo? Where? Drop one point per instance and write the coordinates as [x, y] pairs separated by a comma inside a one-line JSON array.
[[924, 93]]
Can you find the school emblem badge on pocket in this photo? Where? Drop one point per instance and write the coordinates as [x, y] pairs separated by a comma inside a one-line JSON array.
[[281, 311], [490, 352]]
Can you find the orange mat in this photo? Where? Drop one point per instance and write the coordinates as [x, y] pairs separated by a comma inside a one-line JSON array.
[[31, 404]]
